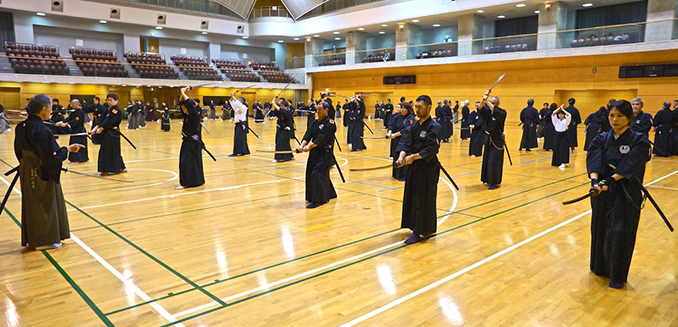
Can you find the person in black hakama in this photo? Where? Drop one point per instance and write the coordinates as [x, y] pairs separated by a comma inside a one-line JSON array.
[[454, 117], [258, 112], [226, 111], [338, 110], [388, 112], [642, 122], [445, 121], [190, 156], [549, 131], [96, 109], [419, 149], [674, 129], [561, 121], [348, 120], [465, 131], [616, 163], [213, 110], [529, 117], [400, 125], [110, 160], [594, 126], [475, 148], [494, 119], [44, 220], [165, 118], [358, 130], [377, 112], [58, 113], [662, 137], [310, 113], [4, 125], [283, 132], [150, 112], [76, 123], [240, 130], [576, 120], [318, 141]]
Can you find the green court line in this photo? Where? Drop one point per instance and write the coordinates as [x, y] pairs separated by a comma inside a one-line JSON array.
[[158, 261], [358, 261], [329, 249], [68, 278]]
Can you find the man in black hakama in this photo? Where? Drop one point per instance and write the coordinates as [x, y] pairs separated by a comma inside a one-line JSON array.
[[475, 122], [239, 107], [76, 123], [44, 220], [445, 121], [465, 131], [258, 112], [616, 164], [529, 117], [358, 130], [662, 137], [96, 109], [190, 156], [494, 119], [348, 120], [110, 160], [419, 149], [213, 110], [642, 122], [387, 112], [572, 129], [310, 114], [319, 142], [674, 129], [58, 113], [283, 132]]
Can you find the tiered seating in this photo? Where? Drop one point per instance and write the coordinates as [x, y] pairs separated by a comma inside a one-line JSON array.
[[236, 71], [379, 57], [435, 54], [95, 62], [610, 38], [36, 59], [508, 48], [271, 73], [196, 68], [334, 62], [151, 65]]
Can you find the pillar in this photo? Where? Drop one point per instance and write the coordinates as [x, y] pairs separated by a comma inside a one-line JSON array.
[[356, 44], [470, 28], [313, 50], [658, 10]]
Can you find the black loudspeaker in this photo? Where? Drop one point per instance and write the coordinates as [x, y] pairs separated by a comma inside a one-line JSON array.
[[162, 19], [409, 79], [115, 13], [58, 5], [205, 24], [240, 29], [653, 71]]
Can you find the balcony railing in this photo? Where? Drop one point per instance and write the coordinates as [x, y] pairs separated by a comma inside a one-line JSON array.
[[270, 12]]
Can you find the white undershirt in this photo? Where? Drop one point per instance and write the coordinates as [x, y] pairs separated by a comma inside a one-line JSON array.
[[240, 111], [561, 125]]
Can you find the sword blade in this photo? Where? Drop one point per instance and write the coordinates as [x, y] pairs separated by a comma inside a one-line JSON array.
[[67, 170], [499, 79], [583, 197], [372, 168]]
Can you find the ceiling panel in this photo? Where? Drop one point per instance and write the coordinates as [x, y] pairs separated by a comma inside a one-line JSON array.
[[240, 7], [299, 7]]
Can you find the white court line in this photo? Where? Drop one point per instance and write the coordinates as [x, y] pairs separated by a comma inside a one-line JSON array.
[[311, 272], [127, 282], [664, 187], [473, 266], [152, 184], [181, 194]]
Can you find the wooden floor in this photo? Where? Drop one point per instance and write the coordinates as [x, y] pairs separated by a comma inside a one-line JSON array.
[[243, 251]]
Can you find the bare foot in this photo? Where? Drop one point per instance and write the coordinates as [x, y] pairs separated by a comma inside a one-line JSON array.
[[123, 171], [103, 174], [180, 187], [274, 161]]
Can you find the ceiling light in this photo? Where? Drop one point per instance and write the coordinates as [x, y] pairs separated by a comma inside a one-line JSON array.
[[245, 37], [316, 35], [296, 39], [384, 25], [382, 32], [335, 33], [415, 20], [480, 11], [436, 25], [124, 85], [536, 11], [280, 41], [40, 14], [103, 21], [501, 16], [158, 27], [520, 5], [588, 5], [361, 29], [337, 38], [204, 33]]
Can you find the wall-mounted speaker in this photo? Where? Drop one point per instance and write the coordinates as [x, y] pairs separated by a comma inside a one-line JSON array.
[[58, 5], [240, 29], [162, 19], [205, 24], [115, 13]]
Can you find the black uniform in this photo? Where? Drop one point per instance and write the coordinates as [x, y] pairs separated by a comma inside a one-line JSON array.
[[401, 124], [493, 157], [642, 123], [319, 188], [388, 113], [310, 115], [445, 121], [594, 126], [549, 130], [662, 137], [674, 132], [96, 110], [213, 111], [110, 160], [348, 121], [258, 113], [190, 157], [465, 132], [338, 110], [377, 111], [76, 120], [477, 135], [421, 183], [283, 134], [358, 130], [616, 212], [58, 113], [44, 219], [572, 129], [165, 120], [529, 116]]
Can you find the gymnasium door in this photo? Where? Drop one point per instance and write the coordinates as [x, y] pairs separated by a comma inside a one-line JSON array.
[[589, 101]]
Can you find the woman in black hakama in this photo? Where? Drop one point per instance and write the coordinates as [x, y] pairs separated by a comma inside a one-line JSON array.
[[283, 133], [190, 156], [400, 125], [110, 159], [561, 145], [76, 122], [616, 164]]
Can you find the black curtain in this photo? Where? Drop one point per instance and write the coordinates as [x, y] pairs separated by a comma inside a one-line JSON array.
[[625, 13], [516, 26], [6, 28]]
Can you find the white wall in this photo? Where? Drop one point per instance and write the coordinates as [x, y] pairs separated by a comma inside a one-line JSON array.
[[171, 47], [229, 51], [65, 38], [380, 41]]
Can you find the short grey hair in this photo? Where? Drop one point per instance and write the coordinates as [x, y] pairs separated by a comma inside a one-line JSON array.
[[75, 102], [639, 100], [39, 101], [494, 98]]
